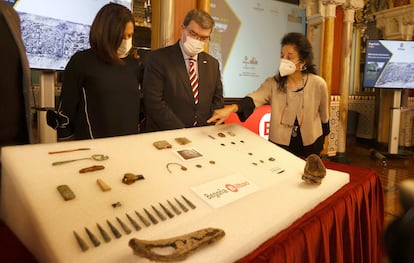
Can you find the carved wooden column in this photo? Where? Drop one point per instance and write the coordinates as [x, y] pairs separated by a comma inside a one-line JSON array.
[[315, 29], [162, 33], [204, 5], [355, 77], [320, 16], [328, 11], [349, 11]]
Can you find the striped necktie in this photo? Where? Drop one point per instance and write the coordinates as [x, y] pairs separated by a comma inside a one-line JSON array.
[[194, 80]]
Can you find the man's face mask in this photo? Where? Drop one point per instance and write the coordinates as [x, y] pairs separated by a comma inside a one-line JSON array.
[[192, 46]]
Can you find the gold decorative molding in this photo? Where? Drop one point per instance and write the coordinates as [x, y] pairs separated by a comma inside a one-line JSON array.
[[312, 7], [396, 23], [354, 4], [327, 8], [333, 2]]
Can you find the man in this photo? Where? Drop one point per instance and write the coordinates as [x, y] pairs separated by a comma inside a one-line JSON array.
[[15, 121], [15, 81], [171, 99]]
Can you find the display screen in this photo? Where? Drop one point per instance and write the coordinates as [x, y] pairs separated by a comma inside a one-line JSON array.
[[389, 64], [53, 30], [246, 40]]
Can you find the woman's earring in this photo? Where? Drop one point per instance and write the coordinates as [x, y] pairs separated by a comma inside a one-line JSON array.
[[303, 68]]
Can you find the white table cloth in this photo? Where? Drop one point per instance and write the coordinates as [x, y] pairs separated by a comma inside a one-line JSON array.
[[33, 209]]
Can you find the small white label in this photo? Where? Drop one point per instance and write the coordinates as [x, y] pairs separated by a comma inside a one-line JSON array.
[[225, 190]]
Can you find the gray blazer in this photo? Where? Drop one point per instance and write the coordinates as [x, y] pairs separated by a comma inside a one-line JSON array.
[[168, 99]]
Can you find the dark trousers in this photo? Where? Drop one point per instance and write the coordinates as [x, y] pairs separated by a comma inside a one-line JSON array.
[[296, 144]]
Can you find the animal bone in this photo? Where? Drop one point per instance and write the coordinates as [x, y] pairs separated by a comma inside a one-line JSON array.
[[104, 186], [183, 245]]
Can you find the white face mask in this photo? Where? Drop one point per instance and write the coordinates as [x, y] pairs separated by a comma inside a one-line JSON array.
[[286, 67], [193, 46], [124, 48]]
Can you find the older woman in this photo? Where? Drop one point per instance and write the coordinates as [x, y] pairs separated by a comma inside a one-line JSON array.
[[298, 97]]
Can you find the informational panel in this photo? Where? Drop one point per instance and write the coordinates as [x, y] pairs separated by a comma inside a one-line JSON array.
[[246, 40], [53, 30], [389, 64]]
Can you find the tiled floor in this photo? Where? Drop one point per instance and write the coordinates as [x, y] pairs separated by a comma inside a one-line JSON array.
[[391, 173], [397, 168]]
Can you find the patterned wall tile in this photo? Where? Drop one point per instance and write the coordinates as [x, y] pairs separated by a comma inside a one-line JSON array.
[[365, 107]]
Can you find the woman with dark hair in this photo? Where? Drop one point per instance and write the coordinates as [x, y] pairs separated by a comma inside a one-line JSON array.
[[299, 98], [100, 93]]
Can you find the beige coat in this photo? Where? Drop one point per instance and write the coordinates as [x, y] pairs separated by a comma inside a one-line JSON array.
[[313, 99]]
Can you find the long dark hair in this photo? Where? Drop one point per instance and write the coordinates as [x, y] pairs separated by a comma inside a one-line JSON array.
[[107, 31], [304, 49]]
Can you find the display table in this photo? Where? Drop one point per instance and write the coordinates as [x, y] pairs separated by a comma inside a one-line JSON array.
[[346, 227], [269, 195]]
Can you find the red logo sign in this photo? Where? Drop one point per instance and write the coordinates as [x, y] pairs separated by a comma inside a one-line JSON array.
[[231, 188]]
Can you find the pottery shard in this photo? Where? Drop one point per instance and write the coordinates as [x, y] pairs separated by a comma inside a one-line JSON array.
[[182, 246], [314, 170]]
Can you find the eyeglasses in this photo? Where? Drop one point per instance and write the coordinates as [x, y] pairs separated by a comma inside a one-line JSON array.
[[197, 36]]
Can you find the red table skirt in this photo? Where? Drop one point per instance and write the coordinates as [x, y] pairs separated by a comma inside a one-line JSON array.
[[347, 227]]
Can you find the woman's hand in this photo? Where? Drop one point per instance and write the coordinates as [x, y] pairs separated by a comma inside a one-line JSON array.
[[220, 115]]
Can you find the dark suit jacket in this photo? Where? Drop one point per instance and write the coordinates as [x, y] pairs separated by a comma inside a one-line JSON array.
[[168, 99], [10, 19]]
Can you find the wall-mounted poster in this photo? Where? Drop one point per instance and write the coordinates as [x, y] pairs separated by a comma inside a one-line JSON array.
[[389, 64], [53, 30]]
